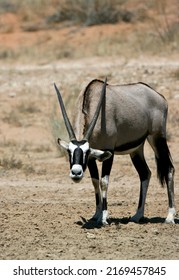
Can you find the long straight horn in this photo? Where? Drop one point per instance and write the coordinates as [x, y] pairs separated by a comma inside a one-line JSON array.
[[65, 117], [94, 120]]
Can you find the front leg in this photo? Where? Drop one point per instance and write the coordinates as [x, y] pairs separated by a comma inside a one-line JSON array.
[[104, 188], [98, 212], [93, 169], [106, 169]]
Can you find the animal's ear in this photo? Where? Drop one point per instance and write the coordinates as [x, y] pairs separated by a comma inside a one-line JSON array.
[[100, 155], [63, 144]]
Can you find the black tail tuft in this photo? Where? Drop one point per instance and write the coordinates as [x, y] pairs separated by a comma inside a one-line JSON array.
[[163, 160]]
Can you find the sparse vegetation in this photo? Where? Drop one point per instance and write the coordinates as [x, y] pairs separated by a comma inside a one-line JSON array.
[[13, 118], [4, 143], [11, 162], [27, 108], [175, 73], [92, 12], [85, 12], [166, 29], [58, 131], [160, 31], [21, 114]]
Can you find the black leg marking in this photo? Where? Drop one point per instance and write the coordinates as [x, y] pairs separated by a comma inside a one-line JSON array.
[[104, 207], [97, 199], [93, 169], [143, 171], [107, 165], [141, 166]]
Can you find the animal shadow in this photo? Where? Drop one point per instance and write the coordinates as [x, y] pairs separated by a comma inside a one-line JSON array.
[[91, 224], [88, 224]]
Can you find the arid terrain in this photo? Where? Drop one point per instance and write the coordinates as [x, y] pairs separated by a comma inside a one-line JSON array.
[[43, 214]]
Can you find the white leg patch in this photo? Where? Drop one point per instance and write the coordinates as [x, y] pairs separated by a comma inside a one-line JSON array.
[[104, 188], [104, 183], [104, 217], [171, 216]]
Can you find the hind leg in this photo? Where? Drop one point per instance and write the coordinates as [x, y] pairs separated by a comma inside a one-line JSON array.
[[144, 175], [165, 171]]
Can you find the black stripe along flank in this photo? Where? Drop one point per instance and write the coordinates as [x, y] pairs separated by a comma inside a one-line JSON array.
[[131, 145]]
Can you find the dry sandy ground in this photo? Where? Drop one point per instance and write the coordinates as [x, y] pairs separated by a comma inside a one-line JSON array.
[[43, 215]]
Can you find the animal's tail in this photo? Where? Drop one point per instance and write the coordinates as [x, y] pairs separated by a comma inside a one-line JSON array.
[[163, 161]]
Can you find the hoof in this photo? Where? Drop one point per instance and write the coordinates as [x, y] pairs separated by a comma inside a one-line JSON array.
[[169, 221], [101, 222], [101, 218], [105, 223], [171, 216], [96, 217], [135, 219], [93, 219]]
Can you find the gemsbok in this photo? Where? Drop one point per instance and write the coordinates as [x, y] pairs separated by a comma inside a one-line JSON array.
[[130, 114]]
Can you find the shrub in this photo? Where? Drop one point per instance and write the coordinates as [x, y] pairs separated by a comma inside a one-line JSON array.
[[89, 12], [11, 162]]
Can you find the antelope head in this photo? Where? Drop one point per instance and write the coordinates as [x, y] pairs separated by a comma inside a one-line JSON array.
[[80, 151]]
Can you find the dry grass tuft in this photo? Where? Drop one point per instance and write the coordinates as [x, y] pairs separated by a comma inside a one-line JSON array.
[[11, 162], [175, 74]]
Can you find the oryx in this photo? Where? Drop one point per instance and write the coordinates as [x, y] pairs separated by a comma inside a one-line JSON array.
[[130, 114]]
